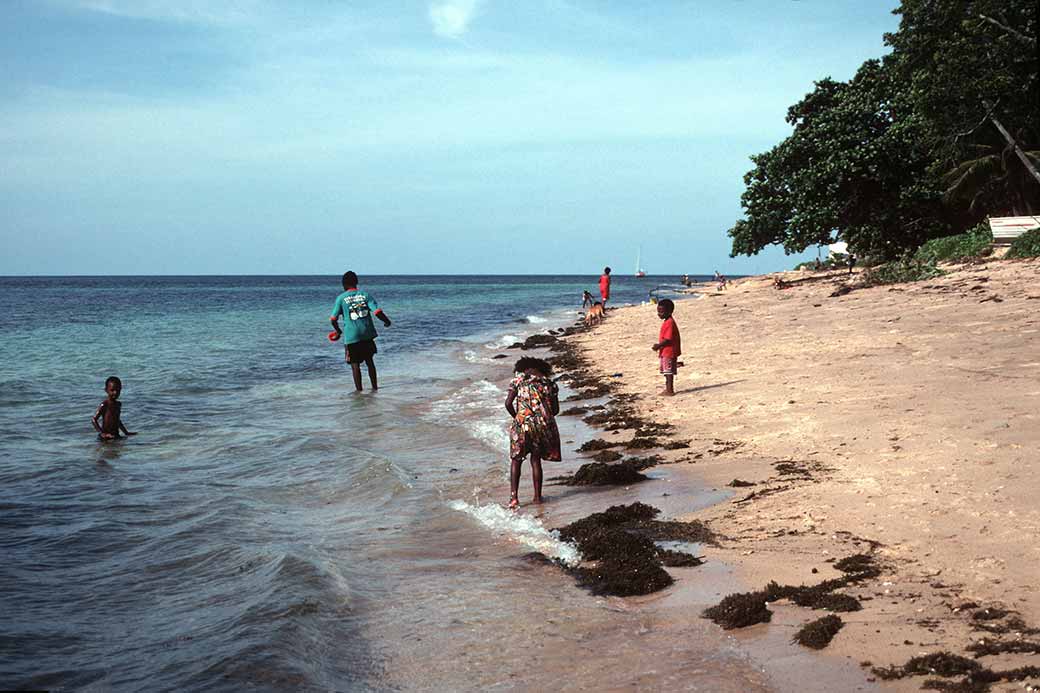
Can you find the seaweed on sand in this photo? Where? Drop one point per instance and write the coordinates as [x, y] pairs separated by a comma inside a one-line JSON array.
[[641, 463], [939, 663], [981, 648], [819, 633], [621, 542], [740, 483], [596, 444], [641, 443], [740, 610], [600, 474], [678, 559], [607, 456]]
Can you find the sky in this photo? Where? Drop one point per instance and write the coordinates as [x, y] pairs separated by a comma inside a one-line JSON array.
[[416, 137]]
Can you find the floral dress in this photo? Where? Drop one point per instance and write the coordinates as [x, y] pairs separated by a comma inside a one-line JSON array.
[[534, 431]]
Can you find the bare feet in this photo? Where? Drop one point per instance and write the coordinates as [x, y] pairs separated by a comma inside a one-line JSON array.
[[666, 393], [514, 503], [538, 500]]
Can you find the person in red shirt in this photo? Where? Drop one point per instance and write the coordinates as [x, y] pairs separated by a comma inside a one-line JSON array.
[[604, 286], [669, 345]]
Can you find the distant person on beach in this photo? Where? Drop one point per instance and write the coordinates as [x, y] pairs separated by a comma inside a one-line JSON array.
[[669, 345], [604, 286], [108, 421], [721, 281], [533, 401], [359, 332], [586, 299], [852, 262]]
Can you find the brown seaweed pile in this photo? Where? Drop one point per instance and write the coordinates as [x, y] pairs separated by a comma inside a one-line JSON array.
[[819, 633], [607, 456], [740, 610], [620, 541], [977, 678], [596, 444], [600, 474]]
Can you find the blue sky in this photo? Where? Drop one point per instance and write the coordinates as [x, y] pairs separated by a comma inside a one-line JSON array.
[[432, 136]]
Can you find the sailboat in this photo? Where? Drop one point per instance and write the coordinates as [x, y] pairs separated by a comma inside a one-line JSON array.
[[640, 272]]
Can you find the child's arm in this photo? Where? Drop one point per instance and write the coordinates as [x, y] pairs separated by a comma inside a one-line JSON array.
[[126, 432], [662, 344], [383, 316], [510, 398], [97, 415], [335, 325]]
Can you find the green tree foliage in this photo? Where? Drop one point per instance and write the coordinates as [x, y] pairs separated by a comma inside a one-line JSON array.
[[907, 150], [1026, 245]]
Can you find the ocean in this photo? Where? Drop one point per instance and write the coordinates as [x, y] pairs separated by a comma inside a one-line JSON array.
[[270, 529]]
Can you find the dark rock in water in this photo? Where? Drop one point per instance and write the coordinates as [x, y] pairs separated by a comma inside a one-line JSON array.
[[596, 444], [607, 456], [819, 633], [678, 559], [740, 610], [500, 356], [739, 483], [515, 345]]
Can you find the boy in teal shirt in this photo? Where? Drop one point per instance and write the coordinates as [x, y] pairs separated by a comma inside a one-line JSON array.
[[359, 332]]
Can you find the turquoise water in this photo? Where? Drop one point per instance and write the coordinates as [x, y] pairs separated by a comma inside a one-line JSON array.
[[268, 527]]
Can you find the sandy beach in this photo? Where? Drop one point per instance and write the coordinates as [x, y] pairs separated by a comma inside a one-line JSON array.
[[899, 421]]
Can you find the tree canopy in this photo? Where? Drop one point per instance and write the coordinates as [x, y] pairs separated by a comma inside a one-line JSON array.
[[907, 149]]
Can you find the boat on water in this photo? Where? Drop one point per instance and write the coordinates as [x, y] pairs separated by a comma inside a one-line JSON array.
[[640, 272]]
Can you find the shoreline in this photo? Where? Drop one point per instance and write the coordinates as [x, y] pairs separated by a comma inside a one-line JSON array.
[[905, 446]]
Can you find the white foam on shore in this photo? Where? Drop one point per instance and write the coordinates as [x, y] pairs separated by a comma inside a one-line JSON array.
[[536, 319], [520, 528], [503, 342], [492, 434], [478, 408]]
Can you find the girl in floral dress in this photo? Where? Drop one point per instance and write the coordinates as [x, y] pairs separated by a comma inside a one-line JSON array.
[[533, 402]]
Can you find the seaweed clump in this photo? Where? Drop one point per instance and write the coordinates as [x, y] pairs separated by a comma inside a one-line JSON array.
[[607, 456], [620, 541], [596, 444], [940, 664], [740, 610], [600, 474], [819, 633]]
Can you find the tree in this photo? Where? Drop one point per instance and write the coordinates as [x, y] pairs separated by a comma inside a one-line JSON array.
[[853, 168]]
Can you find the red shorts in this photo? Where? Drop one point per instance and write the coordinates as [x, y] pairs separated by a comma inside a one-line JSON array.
[[668, 365]]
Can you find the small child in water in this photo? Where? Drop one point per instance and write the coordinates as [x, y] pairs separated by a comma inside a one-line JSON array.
[[533, 401], [668, 345], [109, 412]]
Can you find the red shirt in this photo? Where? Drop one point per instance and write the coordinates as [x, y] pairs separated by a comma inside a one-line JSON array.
[[670, 331], [604, 286]]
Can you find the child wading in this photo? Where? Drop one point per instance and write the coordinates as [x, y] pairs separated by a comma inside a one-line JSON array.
[[108, 421], [533, 402], [359, 332], [668, 346]]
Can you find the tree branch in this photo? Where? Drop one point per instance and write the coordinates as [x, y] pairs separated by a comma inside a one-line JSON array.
[[1017, 34]]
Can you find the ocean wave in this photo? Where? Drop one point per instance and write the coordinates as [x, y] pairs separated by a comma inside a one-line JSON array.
[[536, 319], [522, 529], [491, 433], [504, 341], [482, 394]]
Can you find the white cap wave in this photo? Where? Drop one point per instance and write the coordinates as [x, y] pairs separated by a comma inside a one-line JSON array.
[[522, 529]]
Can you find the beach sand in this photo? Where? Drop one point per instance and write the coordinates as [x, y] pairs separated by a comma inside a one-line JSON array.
[[912, 414]]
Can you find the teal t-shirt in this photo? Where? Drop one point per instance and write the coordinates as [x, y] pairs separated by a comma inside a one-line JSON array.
[[357, 308]]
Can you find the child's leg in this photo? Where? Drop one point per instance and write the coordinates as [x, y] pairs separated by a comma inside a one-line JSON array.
[[370, 362], [668, 385], [536, 476], [514, 482], [355, 368]]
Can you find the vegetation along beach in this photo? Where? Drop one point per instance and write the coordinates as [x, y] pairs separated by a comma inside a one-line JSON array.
[[792, 448]]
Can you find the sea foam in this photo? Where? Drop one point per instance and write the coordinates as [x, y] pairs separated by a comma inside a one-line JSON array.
[[522, 529]]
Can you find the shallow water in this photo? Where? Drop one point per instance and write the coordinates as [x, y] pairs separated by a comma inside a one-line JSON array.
[[270, 528]]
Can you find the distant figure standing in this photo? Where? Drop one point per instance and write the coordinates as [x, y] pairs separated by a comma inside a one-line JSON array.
[[604, 286], [586, 300], [668, 345], [533, 402], [359, 332], [852, 262], [721, 280], [108, 421]]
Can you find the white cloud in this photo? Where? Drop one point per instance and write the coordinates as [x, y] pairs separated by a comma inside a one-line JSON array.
[[451, 18], [184, 11]]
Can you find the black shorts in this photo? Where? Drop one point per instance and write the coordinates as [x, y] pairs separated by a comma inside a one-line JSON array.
[[361, 351]]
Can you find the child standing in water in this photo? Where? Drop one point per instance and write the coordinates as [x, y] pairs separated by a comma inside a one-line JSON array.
[[107, 419], [359, 332], [533, 401], [668, 345]]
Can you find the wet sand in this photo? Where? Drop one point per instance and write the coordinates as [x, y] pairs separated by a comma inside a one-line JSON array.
[[896, 421]]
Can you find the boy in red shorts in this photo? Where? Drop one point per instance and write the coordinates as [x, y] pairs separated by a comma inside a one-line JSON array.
[[668, 346]]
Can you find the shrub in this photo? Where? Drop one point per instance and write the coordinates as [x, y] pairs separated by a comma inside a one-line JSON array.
[[1026, 245], [909, 269], [973, 243]]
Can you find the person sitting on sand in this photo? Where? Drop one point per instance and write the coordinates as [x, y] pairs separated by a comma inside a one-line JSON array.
[[668, 345], [533, 401], [359, 332], [108, 421]]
